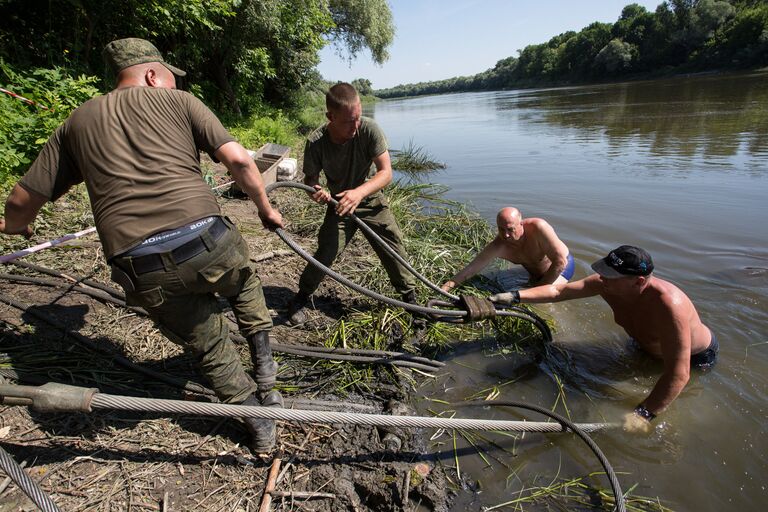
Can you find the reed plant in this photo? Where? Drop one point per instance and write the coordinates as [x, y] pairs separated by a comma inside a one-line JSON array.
[[414, 159]]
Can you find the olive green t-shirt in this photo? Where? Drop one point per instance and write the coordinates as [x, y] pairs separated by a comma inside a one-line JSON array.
[[138, 151], [347, 165]]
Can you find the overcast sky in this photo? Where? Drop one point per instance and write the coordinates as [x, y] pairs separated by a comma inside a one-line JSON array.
[[437, 39]]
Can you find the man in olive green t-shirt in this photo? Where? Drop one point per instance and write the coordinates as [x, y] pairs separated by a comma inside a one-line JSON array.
[[137, 150], [352, 152]]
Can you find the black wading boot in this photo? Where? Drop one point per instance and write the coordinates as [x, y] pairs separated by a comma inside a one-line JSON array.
[[262, 430], [265, 375], [297, 311], [419, 321], [264, 366]]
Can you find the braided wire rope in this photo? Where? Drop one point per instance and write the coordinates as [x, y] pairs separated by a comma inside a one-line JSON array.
[[106, 401], [26, 484]]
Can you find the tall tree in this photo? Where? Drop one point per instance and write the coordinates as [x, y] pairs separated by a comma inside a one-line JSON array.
[[236, 51]]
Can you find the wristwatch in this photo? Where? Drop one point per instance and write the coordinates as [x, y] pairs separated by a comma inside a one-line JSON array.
[[641, 411]]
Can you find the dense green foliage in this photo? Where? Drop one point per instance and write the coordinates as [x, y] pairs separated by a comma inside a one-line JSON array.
[[680, 36], [238, 53], [24, 128], [253, 61]]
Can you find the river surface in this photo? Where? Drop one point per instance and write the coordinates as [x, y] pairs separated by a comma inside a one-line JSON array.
[[678, 167]]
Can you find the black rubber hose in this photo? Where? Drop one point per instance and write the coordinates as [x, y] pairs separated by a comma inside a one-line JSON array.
[[366, 352], [55, 273], [367, 229], [443, 314], [368, 356], [360, 359], [610, 473]]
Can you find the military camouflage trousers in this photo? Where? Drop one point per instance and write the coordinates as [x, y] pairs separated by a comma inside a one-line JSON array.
[[336, 232], [182, 299]]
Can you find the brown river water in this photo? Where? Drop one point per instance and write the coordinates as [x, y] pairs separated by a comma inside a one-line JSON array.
[[677, 166]]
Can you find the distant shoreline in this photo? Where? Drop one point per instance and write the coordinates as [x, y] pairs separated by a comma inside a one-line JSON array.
[[639, 77]]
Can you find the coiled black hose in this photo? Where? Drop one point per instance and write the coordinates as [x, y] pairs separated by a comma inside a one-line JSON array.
[[610, 473], [440, 313]]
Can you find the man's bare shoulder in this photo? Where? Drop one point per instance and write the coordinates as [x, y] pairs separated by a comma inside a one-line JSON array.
[[537, 225], [535, 221], [668, 296]]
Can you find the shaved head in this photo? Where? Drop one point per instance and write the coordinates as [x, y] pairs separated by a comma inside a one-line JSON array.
[[507, 214], [510, 223]]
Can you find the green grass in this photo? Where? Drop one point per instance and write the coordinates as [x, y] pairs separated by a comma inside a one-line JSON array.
[[414, 160], [261, 129]]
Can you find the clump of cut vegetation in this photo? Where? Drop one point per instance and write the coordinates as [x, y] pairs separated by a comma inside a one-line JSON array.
[[576, 493], [414, 159]]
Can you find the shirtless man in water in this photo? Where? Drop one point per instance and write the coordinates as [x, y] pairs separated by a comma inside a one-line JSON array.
[[531, 243], [655, 313]]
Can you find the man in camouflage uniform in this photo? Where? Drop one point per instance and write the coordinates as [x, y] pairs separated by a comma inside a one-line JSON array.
[[353, 153], [137, 150]]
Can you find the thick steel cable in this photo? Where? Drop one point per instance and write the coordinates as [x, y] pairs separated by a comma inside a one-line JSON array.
[[618, 496], [302, 403], [105, 401], [26, 484], [367, 229]]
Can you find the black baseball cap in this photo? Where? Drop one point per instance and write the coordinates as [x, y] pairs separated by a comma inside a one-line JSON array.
[[624, 261]]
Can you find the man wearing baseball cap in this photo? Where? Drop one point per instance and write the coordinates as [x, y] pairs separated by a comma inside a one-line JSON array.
[[137, 149], [655, 313]]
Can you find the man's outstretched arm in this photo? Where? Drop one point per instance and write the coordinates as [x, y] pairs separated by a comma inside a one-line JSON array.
[[587, 287], [21, 208], [248, 178], [480, 261], [350, 199]]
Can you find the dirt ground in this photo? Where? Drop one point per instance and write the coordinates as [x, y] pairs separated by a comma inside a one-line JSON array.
[[115, 461]]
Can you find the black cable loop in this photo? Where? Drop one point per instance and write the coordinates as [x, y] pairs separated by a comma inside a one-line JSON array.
[[443, 315], [367, 229], [618, 495]]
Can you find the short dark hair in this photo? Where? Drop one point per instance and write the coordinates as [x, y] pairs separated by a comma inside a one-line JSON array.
[[341, 95]]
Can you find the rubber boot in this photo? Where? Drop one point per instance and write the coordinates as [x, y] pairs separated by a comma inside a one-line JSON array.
[[419, 321], [297, 311], [263, 434], [262, 430], [264, 366]]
